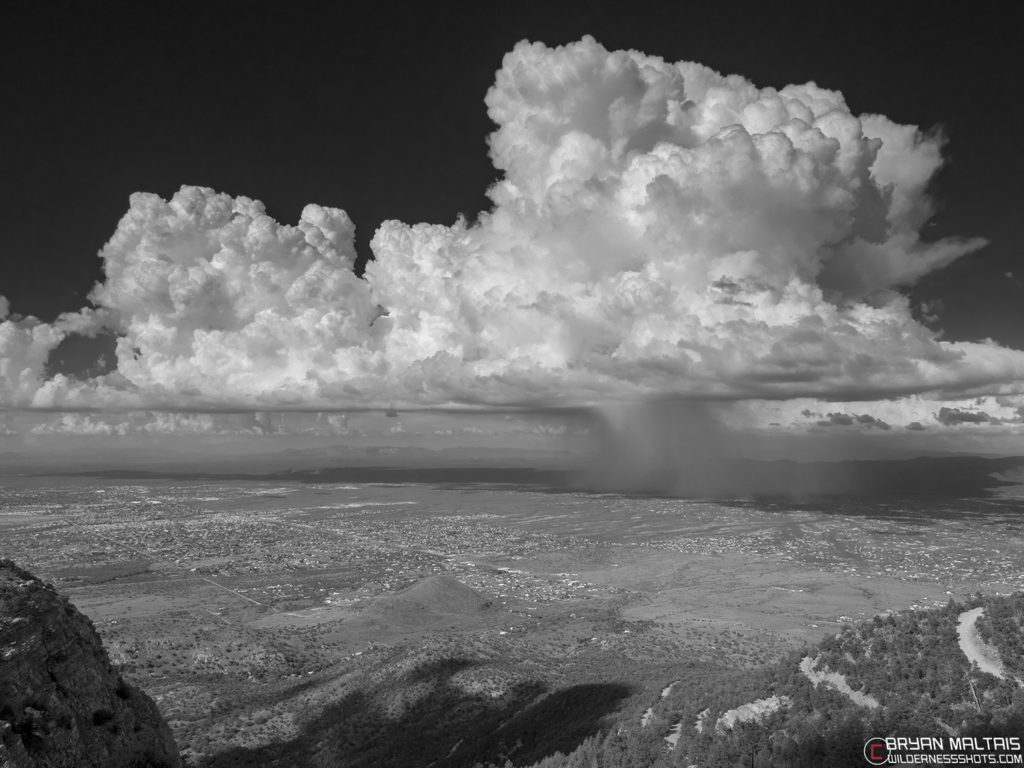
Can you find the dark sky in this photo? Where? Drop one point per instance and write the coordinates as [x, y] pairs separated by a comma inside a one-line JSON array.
[[377, 108]]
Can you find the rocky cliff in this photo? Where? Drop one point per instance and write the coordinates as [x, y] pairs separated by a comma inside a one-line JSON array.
[[61, 701]]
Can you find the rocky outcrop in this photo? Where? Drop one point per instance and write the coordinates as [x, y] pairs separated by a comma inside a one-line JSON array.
[[61, 701]]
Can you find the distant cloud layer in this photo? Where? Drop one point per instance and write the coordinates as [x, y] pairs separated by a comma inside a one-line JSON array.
[[658, 228]]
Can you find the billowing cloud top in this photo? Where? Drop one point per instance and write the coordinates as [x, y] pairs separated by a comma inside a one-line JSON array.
[[659, 228]]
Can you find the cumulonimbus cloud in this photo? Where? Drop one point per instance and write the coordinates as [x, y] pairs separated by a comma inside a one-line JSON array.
[[658, 229]]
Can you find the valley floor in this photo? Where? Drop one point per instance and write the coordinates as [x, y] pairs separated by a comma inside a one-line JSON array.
[[243, 607]]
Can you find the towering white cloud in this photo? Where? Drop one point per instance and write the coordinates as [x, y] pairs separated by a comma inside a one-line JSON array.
[[218, 302], [659, 229], [25, 346]]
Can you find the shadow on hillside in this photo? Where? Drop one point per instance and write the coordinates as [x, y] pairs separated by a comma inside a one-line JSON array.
[[444, 726]]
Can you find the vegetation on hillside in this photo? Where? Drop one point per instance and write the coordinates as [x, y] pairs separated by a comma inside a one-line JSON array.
[[911, 662], [433, 709]]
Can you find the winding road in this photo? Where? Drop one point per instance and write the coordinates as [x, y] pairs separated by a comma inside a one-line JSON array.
[[976, 649]]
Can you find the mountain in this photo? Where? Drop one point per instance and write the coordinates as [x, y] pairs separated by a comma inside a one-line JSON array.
[[953, 676], [928, 477], [437, 594], [61, 701]]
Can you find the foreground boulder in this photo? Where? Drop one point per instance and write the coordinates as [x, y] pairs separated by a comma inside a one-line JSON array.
[[61, 701]]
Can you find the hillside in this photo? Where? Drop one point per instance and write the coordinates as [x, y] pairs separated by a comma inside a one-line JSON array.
[[896, 675], [438, 706], [435, 594], [61, 701]]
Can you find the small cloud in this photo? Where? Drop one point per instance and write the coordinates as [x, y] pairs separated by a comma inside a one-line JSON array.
[[916, 426], [837, 420], [953, 416], [849, 420], [870, 421], [930, 310]]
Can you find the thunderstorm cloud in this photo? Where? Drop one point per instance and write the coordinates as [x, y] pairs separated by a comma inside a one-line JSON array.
[[657, 229]]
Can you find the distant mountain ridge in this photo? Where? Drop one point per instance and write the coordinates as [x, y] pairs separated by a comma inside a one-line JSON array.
[[923, 476]]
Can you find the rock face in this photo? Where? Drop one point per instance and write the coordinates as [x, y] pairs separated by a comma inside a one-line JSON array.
[[61, 701]]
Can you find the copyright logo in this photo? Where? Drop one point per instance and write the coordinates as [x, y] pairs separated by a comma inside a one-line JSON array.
[[875, 751]]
